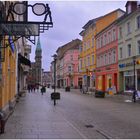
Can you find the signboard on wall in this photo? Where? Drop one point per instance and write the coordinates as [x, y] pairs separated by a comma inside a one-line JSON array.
[[19, 29]]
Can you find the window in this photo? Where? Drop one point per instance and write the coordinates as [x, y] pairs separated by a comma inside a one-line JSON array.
[[114, 34], [138, 22], [98, 61], [120, 32], [69, 68], [128, 28], [93, 59], [109, 37], [84, 46], [101, 60], [85, 61], [109, 57], [105, 59], [98, 41], [71, 57], [88, 60], [105, 39], [92, 42], [114, 56], [102, 41], [80, 64], [138, 43], [80, 48], [129, 50], [120, 52]]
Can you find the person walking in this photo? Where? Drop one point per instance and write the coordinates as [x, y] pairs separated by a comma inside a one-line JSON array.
[[43, 90], [81, 88]]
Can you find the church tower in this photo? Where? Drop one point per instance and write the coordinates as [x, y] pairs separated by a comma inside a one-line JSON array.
[[38, 62]]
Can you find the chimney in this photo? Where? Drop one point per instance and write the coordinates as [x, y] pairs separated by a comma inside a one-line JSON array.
[[131, 6]]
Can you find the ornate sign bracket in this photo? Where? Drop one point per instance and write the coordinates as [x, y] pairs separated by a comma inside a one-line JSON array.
[[9, 26]]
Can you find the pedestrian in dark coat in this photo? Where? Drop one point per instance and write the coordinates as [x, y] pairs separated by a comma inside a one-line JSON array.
[[43, 90]]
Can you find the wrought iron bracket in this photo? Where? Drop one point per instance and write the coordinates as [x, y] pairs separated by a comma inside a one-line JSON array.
[[25, 28]]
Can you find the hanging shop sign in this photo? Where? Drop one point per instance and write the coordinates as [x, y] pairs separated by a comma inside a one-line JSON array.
[[19, 29], [21, 26]]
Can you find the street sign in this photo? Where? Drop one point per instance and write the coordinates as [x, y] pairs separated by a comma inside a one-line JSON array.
[[19, 29], [55, 96]]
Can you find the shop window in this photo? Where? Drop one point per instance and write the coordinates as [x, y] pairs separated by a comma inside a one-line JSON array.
[[129, 82], [138, 80]]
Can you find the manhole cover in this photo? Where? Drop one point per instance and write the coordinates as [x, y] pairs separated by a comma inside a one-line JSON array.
[[89, 126]]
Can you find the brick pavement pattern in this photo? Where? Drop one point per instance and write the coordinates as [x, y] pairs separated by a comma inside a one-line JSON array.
[[36, 117]]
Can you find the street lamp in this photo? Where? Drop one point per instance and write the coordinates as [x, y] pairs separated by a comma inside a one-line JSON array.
[[134, 92], [55, 58]]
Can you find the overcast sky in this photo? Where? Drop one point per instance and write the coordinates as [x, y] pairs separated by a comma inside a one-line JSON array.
[[68, 19]]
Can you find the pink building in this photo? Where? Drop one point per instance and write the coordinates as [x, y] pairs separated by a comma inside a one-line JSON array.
[[71, 73], [107, 58], [67, 64]]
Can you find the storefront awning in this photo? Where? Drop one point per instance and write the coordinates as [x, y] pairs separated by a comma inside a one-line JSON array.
[[24, 60]]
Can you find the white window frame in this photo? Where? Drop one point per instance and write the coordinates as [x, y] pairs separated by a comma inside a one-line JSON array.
[[114, 34], [121, 52], [120, 32], [128, 28]]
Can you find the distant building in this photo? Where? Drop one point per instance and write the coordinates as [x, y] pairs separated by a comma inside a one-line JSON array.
[[46, 78], [67, 72], [35, 73]]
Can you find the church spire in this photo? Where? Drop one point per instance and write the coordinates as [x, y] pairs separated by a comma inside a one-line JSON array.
[[38, 47]]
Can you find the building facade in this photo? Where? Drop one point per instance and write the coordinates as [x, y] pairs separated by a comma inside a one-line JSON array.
[[107, 58], [67, 73], [13, 64], [88, 51], [129, 48]]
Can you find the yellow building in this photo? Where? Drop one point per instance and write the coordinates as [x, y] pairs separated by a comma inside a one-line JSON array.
[[8, 78], [12, 76], [87, 57]]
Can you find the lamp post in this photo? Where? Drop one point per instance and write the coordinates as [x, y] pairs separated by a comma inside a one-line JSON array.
[[54, 56], [134, 92]]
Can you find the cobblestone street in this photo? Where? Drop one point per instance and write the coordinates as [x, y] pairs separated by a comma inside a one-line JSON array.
[[76, 116]]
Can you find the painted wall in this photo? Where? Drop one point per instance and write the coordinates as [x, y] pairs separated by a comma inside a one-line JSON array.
[[128, 38], [106, 64], [9, 78], [71, 59]]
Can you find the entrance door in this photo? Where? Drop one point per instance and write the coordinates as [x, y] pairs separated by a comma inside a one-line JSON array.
[[103, 82], [115, 81]]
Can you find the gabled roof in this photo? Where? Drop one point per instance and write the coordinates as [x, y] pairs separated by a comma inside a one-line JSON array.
[[74, 44]]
